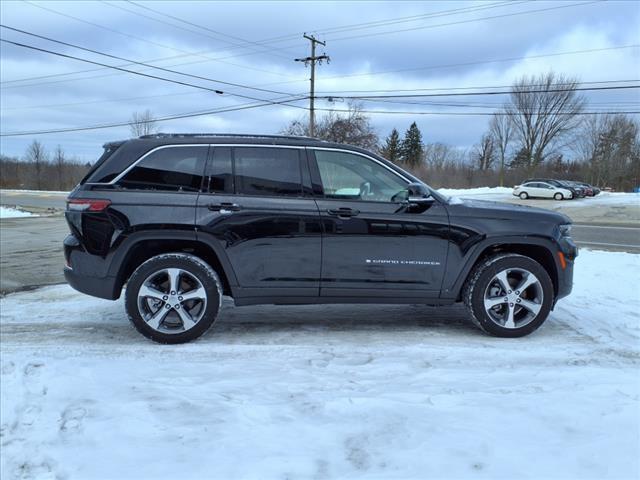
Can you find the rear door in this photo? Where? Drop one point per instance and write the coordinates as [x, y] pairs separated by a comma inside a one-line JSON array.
[[372, 245], [257, 210]]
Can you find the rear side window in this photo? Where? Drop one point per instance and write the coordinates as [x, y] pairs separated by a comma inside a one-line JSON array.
[[169, 168], [267, 171]]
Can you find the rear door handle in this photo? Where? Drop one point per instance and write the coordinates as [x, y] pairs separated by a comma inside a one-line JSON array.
[[224, 207], [343, 212]]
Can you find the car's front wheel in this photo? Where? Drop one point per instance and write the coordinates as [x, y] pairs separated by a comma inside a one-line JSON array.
[[558, 196], [524, 195], [173, 298], [509, 295]]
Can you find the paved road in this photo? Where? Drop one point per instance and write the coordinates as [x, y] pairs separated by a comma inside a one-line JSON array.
[[31, 248], [34, 199]]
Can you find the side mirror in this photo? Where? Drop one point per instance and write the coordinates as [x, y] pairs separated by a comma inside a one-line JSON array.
[[419, 197]]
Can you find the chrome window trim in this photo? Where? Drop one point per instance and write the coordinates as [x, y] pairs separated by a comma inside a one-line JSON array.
[[171, 145], [130, 167], [362, 155]]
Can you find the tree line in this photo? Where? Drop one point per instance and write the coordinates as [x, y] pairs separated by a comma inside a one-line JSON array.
[[542, 130], [40, 169]]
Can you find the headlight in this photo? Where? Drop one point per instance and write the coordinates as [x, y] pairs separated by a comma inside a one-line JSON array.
[[565, 230]]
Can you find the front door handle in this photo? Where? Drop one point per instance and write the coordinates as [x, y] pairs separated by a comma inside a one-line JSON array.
[[343, 212], [224, 207]]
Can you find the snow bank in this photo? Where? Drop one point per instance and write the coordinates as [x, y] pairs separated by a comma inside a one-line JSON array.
[[6, 212], [506, 194], [466, 192], [325, 392]]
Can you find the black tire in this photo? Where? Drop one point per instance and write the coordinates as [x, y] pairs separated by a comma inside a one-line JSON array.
[[479, 281], [558, 196], [195, 267], [524, 195]]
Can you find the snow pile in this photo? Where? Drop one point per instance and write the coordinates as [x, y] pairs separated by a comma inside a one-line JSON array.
[[478, 192], [6, 212], [325, 391]]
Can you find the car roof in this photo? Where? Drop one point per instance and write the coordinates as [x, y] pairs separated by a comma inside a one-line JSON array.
[[228, 138]]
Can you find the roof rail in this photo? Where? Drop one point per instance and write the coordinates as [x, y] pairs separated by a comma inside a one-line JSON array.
[[240, 135]]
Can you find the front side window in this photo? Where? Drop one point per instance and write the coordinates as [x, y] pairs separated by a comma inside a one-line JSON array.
[[267, 171], [354, 177], [170, 168]]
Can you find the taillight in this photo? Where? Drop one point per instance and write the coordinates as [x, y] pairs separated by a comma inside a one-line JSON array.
[[87, 205]]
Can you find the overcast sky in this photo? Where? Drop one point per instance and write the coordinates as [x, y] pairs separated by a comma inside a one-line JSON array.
[[373, 46]]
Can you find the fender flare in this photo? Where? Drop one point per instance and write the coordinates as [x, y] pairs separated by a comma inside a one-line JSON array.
[[473, 256], [119, 258]]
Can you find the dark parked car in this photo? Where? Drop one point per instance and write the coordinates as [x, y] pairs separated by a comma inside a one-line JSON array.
[[590, 189], [181, 220]]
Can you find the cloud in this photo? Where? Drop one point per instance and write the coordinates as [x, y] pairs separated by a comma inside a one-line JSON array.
[[105, 96]]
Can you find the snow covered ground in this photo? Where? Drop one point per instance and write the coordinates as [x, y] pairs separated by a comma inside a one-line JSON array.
[[325, 392], [7, 212], [506, 194]]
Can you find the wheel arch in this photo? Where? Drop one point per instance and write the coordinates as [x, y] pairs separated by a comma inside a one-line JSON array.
[[145, 247], [539, 250]]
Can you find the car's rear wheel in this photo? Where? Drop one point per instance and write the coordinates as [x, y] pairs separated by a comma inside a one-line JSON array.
[[173, 298], [524, 195], [509, 295], [558, 196]]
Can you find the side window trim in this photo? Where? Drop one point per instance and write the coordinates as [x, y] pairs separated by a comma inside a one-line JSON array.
[[315, 172], [142, 157]]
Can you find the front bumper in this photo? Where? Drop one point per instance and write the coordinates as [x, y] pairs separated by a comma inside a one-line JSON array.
[[569, 252]]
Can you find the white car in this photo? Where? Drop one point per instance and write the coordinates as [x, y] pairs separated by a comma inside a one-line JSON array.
[[541, 190]]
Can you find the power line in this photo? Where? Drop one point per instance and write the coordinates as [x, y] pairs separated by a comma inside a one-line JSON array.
[[140, 63], [460, 22], [263, 49], [158, 119], [480, 62], [504, 92], [140, 39], [414, 112], [114, 100], [473, 88], [441, 13]]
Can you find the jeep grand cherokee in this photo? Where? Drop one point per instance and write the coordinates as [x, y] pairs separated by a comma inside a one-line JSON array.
[[181, 220]]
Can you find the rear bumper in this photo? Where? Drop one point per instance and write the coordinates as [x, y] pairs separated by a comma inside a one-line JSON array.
[[101, 287], [88, 273]]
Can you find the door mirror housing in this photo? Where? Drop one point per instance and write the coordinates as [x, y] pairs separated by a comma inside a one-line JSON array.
[[419, 197]]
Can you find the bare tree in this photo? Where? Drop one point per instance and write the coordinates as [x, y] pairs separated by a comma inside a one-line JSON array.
[[352, 127], [544, 110], [485, 152], [38, 157], [142, 123], [59, 161], [501, 128], [438, 155]]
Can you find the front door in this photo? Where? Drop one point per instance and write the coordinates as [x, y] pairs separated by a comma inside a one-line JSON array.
[[372, 243], [256, 209]]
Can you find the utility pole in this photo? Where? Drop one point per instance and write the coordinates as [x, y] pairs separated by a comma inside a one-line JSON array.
[[312, 60]]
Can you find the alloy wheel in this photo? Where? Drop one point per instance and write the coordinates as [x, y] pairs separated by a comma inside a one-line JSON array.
[[172, 300], [513, 298]]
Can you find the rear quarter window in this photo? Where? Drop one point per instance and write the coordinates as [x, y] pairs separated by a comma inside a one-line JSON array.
[[174, 168]]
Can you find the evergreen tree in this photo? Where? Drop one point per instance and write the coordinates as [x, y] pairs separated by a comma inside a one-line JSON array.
[[391, 148], [412, 148]]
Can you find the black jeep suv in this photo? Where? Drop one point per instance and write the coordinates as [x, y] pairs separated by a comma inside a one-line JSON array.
[[182, 220]]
